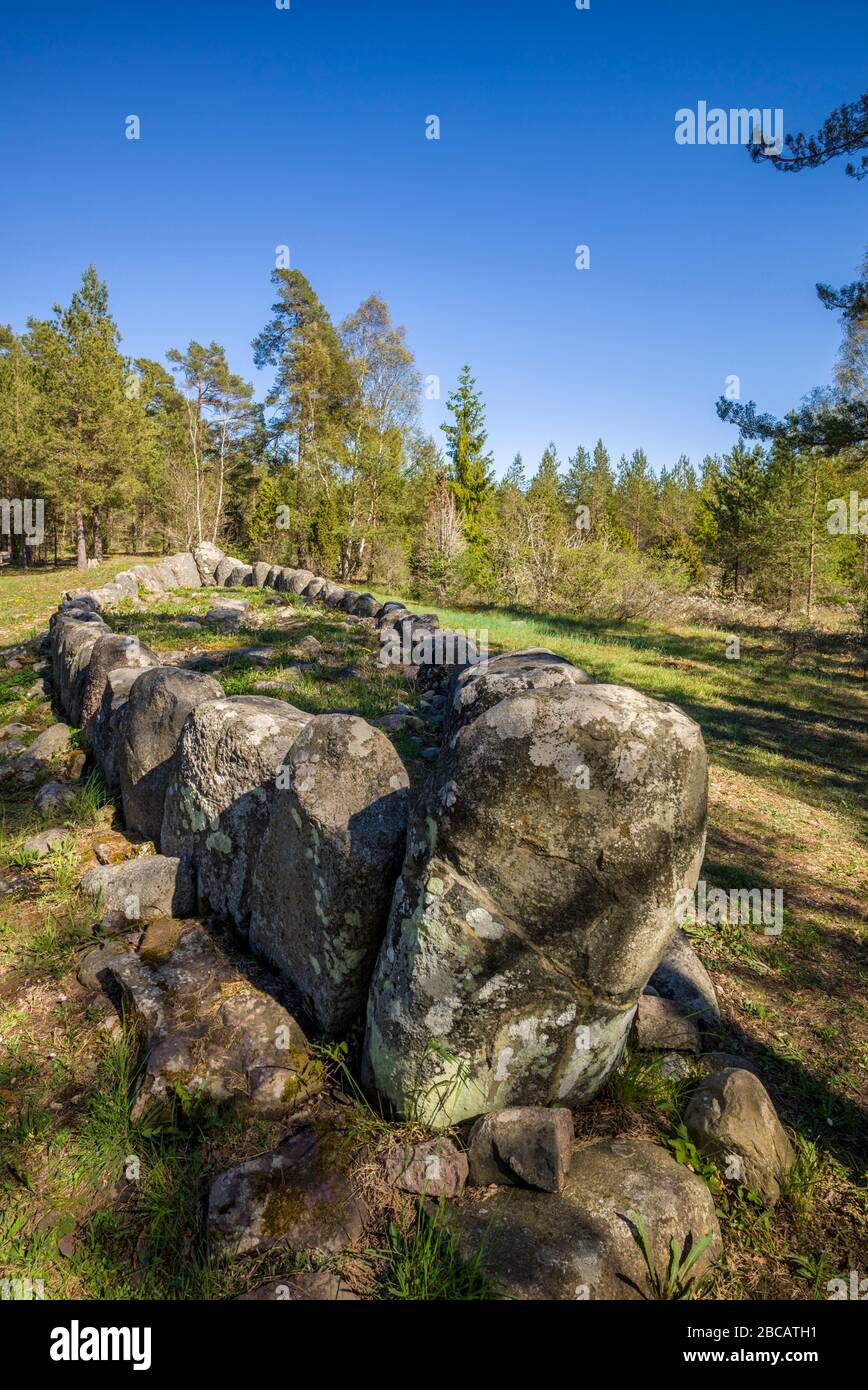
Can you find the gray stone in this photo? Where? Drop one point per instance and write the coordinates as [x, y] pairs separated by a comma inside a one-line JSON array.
[[477, 688], [185, 569], [299, 581], [225, 568], [110, 652], [435, 1168], [682, 978], [581, 1243], [731, 1114], [47, 840], [261, 571], [156, 885], [298, 1196], [53, 798], [218, 801], [659, 1026], [48, 748], [93, 969], [528, 1145], [308, 648], [74, 633], [329, 860], [721, 1061], [207, 1028], [538, 893], [228, 615], [315, 587], [207, 557], [104, 727], [148, 730], [366, 606]]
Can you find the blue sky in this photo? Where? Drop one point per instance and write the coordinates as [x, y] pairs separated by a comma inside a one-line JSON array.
[[306, 127]]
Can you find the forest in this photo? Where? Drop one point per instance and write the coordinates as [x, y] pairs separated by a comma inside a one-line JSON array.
[[331, 470]]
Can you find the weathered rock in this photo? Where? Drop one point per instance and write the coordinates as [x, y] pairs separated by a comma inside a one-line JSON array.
[[298, 1196], [261, 571], [299, 581], [156, 885], [225, 568], [582, 1243], [206, 558], [322, 1285], [228, 615], [45, 841], [659, 1026], [307, 648], [332, 595], [147, 580], [329, 860], [366, 606], [207, 1028], [674, 1066], [315, 587], [147, 735], [93, 968], [683, 978], [110, 652], [218, 801], [435, 1168], [731, 1115], [529, 1145], [711, 1062], [241, 575], [74, 633], [185, 569], [478, 687], [53, 798], [104, 727], [537, 895], [47, 749]]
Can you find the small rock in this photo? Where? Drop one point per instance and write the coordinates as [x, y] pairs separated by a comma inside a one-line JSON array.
[[53, 798], [731, 1115], [674, 1066], [92, 968], [308, 647], [682, 978], [41, 844], [298, 1196], [658, 1026], [710, 1062], [142, 889], [433, 1169], [525, 1144]]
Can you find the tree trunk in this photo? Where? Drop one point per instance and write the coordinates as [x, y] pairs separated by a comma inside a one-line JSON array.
[[813, 543], [80, 541], [97, 536]]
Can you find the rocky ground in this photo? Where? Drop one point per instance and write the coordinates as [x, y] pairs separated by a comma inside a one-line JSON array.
[[120, 1181]]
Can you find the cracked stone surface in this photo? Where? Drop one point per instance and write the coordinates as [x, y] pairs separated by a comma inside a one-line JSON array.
[[207, 1028]]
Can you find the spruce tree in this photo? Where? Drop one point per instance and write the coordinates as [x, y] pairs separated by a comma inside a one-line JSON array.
[[471, 476]]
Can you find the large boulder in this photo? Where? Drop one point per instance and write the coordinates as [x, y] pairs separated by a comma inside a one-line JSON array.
[[299, 581], [583, 1242], [185, 570], [147, 737], [261, 571], [75, 629], [104, 727], [219, 799], [332, 595], [207, 557], [110, 652], [315, 587], [731, 1117], [475, 688], [366, 606], [207, 1029], [225, 568], [328, 864], [537, 896]]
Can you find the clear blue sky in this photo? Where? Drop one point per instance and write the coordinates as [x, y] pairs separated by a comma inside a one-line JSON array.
[[307, 127]]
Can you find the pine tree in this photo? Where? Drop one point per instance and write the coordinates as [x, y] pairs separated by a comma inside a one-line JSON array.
[[470, 474], [313, 391]]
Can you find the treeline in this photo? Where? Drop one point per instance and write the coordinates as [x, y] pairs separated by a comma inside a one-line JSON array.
[[332, 471]]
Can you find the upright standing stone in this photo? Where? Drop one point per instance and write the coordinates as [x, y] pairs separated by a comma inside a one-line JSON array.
[[219, 799], [328, 864], [150, 725], [537, 896]]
